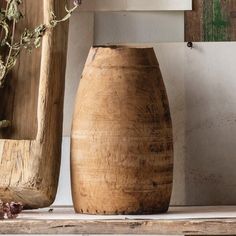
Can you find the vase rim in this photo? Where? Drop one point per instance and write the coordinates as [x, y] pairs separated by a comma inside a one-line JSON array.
[[113, 46]]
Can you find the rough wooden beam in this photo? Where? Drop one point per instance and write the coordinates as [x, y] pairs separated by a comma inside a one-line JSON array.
[[30, 152]]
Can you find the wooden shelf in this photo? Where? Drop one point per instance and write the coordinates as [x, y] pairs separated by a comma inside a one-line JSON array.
[[178, 221], [136, 5]]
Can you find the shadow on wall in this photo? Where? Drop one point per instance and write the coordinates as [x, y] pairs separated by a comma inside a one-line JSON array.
[[201, 86]]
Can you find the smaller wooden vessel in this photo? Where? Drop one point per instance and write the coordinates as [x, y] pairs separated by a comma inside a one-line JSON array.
[[122, 148]]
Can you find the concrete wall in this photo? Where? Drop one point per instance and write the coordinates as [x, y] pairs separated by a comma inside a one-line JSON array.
[[138, 27]]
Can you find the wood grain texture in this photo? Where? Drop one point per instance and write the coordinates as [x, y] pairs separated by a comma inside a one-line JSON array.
[[193, 22], [212, 20], [177, 222], [19, 97], [122, 148], [136, 227], [33, 100]]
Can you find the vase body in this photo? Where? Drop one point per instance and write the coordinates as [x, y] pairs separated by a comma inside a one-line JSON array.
[[121, 145]]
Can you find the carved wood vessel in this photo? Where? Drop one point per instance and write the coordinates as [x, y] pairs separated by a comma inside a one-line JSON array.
[[33, 100], [122, 148]]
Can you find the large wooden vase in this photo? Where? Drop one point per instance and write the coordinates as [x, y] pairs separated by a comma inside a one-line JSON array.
[[122, 147], [32, 99]]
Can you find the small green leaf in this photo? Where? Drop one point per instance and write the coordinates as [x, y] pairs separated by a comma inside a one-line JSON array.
[[29, 39], [13, 12]]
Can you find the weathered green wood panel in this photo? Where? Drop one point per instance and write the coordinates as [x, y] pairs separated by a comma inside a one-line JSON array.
[[211, 20]]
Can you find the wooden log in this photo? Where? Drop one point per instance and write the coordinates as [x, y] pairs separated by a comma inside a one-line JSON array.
[[33, 101], [122, 148]]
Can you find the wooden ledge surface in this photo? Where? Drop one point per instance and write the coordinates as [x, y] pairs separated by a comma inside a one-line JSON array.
[[178, 221]]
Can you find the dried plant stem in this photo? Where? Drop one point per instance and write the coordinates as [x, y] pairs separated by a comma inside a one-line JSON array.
[[29, 39], [12, 40], [10, 49]]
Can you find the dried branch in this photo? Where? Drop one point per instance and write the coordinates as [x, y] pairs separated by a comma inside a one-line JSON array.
[[29, 39], [10, 210]]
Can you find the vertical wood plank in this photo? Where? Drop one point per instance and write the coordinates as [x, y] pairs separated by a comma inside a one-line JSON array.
[[193, 22], [231, 6], [212, 20], [216, 21]]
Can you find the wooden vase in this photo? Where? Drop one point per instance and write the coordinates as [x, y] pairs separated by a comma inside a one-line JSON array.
[[122, 146], [32, 99]]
